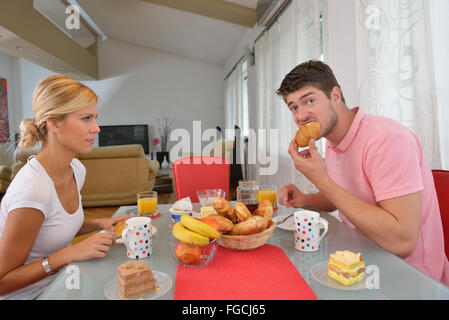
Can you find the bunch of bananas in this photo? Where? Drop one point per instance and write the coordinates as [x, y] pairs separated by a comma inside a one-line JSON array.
[[194, 231]]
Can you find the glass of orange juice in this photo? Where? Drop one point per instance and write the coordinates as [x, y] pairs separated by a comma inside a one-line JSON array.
[[268, 192], [147, 203]]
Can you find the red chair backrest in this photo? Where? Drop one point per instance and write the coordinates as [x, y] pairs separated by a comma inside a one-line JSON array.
[[201, 172], [441, 179]]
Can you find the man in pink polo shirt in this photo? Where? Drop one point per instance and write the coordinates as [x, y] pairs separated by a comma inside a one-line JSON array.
[[375, 172]]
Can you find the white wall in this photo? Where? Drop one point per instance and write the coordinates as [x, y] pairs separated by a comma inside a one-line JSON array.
[[137, 86], [28, 75], [140, 85]]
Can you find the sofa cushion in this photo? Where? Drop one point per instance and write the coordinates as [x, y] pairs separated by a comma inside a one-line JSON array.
[[115, 175], [122, 151], [154, 168]]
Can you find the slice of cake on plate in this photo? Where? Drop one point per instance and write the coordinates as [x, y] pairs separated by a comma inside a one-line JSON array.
[[346, 267], [134, 278]]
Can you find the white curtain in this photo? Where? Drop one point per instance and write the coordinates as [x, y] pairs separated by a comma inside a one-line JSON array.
[[395, 68], [292, 39], [236, 100], [438, 11]]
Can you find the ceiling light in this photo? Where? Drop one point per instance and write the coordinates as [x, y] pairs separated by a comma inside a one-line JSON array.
[[19, 47]]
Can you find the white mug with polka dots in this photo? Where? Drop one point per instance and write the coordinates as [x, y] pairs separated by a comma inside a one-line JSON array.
[[137, 237], [307, 230]]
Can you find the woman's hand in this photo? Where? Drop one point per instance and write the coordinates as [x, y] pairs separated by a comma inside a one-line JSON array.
[[109, 223], [309, 162], [96, 246]]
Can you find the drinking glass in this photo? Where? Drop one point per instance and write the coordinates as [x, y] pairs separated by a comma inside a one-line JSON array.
[[268, 192], [247, 192], [147, 203]]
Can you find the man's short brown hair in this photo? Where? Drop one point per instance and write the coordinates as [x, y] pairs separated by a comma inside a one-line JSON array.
[[314, 73]]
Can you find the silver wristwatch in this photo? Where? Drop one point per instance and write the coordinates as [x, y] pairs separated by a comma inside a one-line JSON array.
[[47, 267]]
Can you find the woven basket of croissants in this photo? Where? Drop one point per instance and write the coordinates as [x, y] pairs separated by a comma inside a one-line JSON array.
[[241, 229]]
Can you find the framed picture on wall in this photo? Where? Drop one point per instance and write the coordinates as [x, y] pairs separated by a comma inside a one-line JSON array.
[[4, 123]]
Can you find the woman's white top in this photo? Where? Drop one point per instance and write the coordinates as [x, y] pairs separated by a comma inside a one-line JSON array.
[[32, 187]]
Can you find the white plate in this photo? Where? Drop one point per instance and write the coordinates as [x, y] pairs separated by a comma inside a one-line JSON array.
[[319, 273], [163, 281], [288, 224]]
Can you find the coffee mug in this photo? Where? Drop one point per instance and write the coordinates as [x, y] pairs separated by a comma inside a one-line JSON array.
[[307, 230], [137, 237]]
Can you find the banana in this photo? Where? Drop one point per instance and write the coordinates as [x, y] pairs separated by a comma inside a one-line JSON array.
[[199, 226], [181, 233]]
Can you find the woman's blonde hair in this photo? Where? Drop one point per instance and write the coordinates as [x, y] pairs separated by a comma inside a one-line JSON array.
[[53, 99]]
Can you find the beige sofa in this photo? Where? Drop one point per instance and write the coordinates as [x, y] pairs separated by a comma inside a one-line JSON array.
[[114, 174], [5, 171]]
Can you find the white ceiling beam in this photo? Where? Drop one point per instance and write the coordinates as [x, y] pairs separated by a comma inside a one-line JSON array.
[[216, 9]]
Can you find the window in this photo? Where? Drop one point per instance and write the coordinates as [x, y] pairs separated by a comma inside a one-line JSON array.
[[236, 100]]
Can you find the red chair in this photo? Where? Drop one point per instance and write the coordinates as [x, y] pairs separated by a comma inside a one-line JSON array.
[[201, 172], [441, 179]]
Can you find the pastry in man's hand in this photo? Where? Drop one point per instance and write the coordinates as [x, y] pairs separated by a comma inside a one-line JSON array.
[[307, 131], [224, 224], [224, 208], [254, 224], [242, 212], [264, 210]]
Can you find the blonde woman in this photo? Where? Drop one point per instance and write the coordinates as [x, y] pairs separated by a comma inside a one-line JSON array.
[[41, 211]]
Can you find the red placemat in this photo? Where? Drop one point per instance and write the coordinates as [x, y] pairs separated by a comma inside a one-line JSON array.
[[265, 273]]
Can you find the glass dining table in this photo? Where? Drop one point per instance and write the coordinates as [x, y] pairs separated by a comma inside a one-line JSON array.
[[387, 276]]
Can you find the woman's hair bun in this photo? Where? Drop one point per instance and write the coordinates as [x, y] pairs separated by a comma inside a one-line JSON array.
[[29, 134]]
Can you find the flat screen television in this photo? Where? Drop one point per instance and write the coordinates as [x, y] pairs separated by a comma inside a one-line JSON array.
[[124, 134]]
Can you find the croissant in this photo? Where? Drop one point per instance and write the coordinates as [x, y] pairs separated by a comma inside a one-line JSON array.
[[225, 209], [265, 203], [224, 223], [242, 211], [253, 224], [307, 131], [265, 212]]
